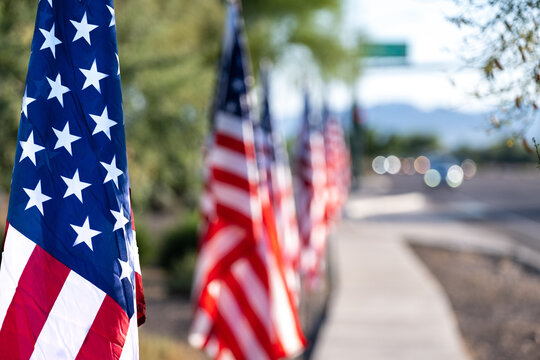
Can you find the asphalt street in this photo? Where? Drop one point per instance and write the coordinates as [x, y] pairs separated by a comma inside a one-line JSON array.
[[505, 200]]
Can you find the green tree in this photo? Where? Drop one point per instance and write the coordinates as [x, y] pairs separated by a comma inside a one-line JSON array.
[[16, 30], [168, 54], [277, 28], [504, 46]]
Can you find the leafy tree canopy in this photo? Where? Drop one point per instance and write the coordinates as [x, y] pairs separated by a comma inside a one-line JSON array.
[[168, 55], [504, 44]]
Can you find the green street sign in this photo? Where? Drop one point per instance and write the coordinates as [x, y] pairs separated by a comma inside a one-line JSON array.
[[394, 50]]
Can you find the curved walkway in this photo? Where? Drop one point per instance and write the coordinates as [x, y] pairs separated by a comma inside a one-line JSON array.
[[386, 305]]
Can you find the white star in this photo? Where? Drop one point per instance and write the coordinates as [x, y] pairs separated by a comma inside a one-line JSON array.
[[126, 270], [65, 138], [112, 171], [25, 102], [113, 20], [121, 220], [37, 198], [50, 40], [103, 123], [30, 149], [57, 89], [49, 1], [83, 29], [93, 76], [118, 62], [75, 186], [85, 234]]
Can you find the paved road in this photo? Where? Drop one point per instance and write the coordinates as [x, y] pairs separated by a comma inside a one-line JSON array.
[[505, 200]]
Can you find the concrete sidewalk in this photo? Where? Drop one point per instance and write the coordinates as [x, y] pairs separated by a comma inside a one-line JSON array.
[[386, 305]]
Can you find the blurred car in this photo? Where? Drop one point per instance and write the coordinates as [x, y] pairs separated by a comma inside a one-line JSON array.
[[444, 171]]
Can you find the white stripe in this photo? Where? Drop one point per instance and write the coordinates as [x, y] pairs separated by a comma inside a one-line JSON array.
[[234, 198], [135, 255], [212, 347], [234, 127], [239, 325], [200, 329], [283, 314], [17, 250], [254, 291], [231, 161], [225, 355], [130, 351], [213, 250], [70, 319], [207, 204]]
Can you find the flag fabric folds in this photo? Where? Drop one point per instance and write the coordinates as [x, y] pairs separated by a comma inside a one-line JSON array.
[[243, 308], [280, 185], [312, 197], [70, 276], [338, 167]]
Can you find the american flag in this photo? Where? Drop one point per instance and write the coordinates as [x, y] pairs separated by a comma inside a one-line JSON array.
[[338, 167], [280, 185], [70, 283], [243, 308], [312, 197]]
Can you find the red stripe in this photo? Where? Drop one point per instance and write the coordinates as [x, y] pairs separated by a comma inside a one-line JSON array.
[[107, 334], [229, 341], [141, 301], [233, 144], [259, 330], [39, 286], [231, 179]]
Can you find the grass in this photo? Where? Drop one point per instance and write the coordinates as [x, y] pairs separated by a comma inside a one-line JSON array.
[[155, 347]]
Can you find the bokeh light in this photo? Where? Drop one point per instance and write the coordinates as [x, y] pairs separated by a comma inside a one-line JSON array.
[[422, 164], [454, 176], [432, 178], [378, 165], [407, 166], [392, 164], [469, 168]]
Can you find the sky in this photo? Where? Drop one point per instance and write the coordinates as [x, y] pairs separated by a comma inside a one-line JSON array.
[[434, 77]]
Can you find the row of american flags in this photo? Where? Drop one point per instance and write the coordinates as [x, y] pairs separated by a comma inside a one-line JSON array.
[[70, 279]]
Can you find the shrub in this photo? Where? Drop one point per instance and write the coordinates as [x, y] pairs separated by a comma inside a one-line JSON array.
[[180, 277], [180, 241]]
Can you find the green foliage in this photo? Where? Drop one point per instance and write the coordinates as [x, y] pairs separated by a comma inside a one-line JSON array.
[[16, 30], [178, 254], [399, 145], [180, 241], [504, 152], [147, 248], [180, 277], [275, 28], [168, 53], [504, 44]]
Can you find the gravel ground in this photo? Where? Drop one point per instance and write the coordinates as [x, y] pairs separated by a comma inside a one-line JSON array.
[[496, 302]]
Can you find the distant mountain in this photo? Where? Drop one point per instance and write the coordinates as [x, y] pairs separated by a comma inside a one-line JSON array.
[[452, 127]]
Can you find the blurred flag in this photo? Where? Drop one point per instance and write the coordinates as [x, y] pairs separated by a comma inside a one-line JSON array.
[[70, 277], [338, 167], [281, 190], [243, 308], [312, 197]]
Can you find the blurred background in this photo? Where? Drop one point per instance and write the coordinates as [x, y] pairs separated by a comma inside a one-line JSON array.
[[437, 98]]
